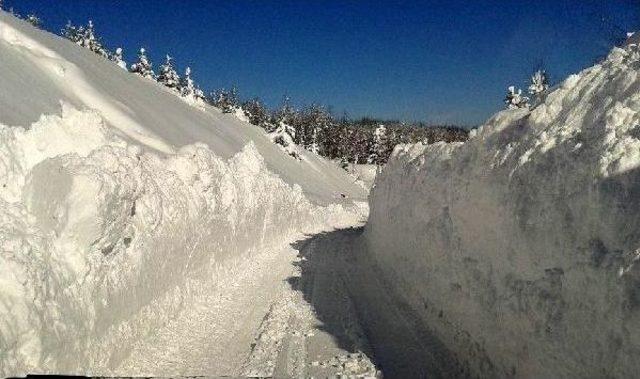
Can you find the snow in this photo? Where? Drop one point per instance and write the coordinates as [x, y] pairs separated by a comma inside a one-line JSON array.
[[632, 38], [282, 136], [280, 322], [118, 59], [40, 69], [140, 235], [98, 231], [121, 206], [519, 248], [363, 174]]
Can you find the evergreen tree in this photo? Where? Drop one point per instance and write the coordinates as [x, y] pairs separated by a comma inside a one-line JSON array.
[[186, 85], [73, 33], [360, 144], [33, 20], [92, 42], [118, 59], [226, 101], [284, 133], [188, 88], [85, 37], [143, 67], [286, 113], [379, 151], [334, 137], [257, 114], [168, 75], [539, 85], [314, 122], [514, 99]]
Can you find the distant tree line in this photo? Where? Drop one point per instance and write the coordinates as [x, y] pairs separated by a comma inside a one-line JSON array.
[[363, 140], [313, 128], [167, 75]]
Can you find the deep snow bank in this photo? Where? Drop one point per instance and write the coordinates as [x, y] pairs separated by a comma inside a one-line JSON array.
[[520, 247], [112, 219], [39, 69], [100, 242]]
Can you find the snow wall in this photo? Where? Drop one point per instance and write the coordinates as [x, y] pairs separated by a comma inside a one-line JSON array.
[[520, 247], [101, 242]]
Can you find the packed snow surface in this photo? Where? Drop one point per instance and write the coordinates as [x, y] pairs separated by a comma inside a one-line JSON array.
[[520, 247], [123, 208]]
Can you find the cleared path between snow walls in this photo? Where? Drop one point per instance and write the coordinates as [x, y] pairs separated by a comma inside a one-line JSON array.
[[519, 249]]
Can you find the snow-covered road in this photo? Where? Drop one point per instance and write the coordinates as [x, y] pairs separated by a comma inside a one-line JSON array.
[[261, 320], [315, 308]]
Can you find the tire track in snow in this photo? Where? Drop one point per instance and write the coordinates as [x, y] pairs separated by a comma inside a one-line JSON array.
[[356, 306], [213, 335], [324, 313], [254, 323], [292, 341]]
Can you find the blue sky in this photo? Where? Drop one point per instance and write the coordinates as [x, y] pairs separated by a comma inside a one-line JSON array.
[[437, 61]]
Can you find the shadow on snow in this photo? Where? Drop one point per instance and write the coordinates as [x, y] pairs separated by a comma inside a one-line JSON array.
[[339, 280]]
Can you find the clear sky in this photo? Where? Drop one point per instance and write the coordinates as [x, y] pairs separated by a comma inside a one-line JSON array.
[[436, 61]]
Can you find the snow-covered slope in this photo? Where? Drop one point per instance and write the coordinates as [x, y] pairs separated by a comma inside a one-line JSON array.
[[520, 247], [40, 69], [120, 203], [364, 174]]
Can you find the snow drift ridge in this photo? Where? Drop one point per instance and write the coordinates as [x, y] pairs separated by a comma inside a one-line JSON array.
[[520, 247], [128, 204], [39, 70], [101, 242]]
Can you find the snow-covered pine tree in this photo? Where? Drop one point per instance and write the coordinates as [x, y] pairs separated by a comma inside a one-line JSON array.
[[314, 122], [514, 99], [380, 145], [85, 37], [199, 94], [226, 101], [118, 59], [284, 133], [233, 99], [286, 113], [167, 74], [73, 33], [288, 117], [186, 84], [33, 20], [189, 90], [143, 67], [257, 114], [93, 42], [539, 85], [281, 136]]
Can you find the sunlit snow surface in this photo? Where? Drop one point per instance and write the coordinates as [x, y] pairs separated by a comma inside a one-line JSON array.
[[519, 248], [40, 69], [121, 203]]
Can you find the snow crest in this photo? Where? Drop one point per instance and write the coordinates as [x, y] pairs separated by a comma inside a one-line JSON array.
[[520, 247], [101, 242]]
